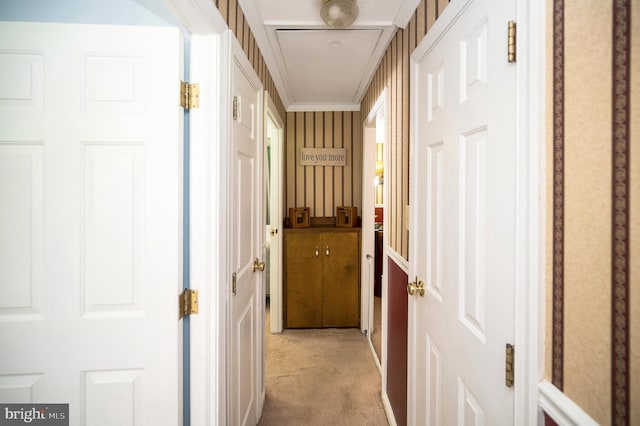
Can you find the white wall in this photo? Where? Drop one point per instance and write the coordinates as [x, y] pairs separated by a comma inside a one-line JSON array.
[[117, 12]]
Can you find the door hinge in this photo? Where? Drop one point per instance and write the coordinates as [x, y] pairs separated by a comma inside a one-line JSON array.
[[511, 41], [235, 108], [509, 358], [233, 284], [188, 302], [189, 95]]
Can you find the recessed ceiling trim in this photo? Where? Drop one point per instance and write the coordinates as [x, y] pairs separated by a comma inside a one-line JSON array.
[[376, 57], [314, 25], [267, 41], [307, 107], [307, 75]]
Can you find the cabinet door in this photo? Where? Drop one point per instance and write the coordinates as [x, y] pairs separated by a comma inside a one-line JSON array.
[[303, 269], [341, 286]]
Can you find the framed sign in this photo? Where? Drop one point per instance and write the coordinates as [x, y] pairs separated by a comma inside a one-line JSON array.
[[322, 157]]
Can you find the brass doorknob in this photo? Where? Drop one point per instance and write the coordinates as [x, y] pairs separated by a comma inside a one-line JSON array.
[[257, 265], [416, 287]]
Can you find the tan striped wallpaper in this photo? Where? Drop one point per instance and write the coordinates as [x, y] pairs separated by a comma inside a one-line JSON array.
[[233, 15], [393, 73], [323, 188], [593, 214]]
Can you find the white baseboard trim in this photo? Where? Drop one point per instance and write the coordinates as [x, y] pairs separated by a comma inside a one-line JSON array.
[[560, 408], [374, 355], [388, 410]]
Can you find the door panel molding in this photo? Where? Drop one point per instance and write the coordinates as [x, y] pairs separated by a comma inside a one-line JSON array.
[[245, 183]]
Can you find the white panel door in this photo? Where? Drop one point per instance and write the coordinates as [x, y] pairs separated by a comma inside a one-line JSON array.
[[463, 218], [90, 224], [247, 240]]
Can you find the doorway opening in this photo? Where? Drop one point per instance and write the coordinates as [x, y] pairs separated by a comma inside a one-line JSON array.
[[273, 178], [373, 221]]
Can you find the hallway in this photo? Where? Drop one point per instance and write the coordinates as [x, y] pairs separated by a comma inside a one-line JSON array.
[[321, 377]]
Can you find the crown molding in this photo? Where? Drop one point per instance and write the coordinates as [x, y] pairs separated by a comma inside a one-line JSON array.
[[308, 107]]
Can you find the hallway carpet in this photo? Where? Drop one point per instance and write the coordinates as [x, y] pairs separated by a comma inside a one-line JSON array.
[[321, 377]]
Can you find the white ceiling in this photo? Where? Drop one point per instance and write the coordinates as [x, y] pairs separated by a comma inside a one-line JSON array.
[[314, 67]]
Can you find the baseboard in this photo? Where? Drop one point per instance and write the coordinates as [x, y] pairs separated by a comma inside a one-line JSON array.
[[374, 355], [560, 408], [388, 410]]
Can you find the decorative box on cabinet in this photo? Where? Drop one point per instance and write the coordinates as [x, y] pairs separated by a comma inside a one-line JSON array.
[[322, 277]]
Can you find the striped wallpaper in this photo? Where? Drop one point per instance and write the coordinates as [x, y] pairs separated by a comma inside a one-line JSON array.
[[393, 73], [233, 15], [323, 188], [593, 222]]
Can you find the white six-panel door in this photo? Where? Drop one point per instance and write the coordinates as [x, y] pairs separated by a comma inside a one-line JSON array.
[[247, 240], [90, 223], [463, 218]]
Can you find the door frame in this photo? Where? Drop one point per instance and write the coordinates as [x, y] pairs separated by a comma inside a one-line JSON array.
[[530, 187], [276, 182], [531, 216], [212, 47], [209, 271], [379, 109], [381, 106]]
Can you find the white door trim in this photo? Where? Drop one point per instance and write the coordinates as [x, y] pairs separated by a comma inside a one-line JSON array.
[[208, 182], [208, 177], [277, 173], [367, 252], [530, 212], [368, 194], [379, 110]]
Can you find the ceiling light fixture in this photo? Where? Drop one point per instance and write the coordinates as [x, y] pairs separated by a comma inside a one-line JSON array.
[[339, 13]]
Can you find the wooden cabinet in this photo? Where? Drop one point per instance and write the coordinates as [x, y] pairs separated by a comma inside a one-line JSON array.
[[322, 277]]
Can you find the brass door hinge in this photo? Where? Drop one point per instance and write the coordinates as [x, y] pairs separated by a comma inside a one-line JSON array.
[[511, 41], [189, 95], [235, 108], [233, 284], [509, 372], [188, 302]]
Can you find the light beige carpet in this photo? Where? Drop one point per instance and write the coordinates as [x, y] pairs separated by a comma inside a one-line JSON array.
[[321, 377]]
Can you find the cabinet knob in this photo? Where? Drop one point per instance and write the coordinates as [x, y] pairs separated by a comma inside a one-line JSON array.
[[327, 251], [317, 251]]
